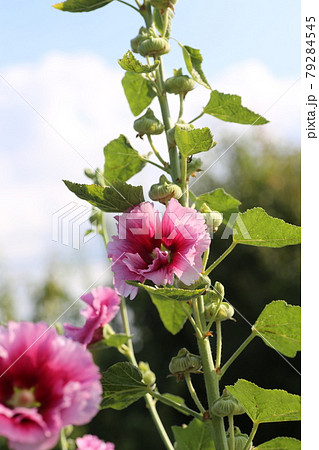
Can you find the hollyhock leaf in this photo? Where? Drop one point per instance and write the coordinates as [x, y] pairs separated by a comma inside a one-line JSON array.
[[219, 200], [122, 385], [266, 405], [228, 107], [193, 60], [116, 198], [256, 227], [169, 293], [132, 64], [112, 339], [138, 90], [177, 399], [171, 313], [280, 443], [158, 17], [190, 142], [197, 435], [122, 161], [279, 326], [81, 5]]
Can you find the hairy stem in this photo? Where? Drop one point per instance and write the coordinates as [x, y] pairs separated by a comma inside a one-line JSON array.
[[220, 259], [237, 352], [251, 436], [156, 153], [177, 406], [218, 343], [231, 432], [193, 392], [184, 184]]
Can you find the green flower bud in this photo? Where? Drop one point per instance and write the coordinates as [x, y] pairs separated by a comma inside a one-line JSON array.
[[217, 294], [225, 311], [179, 83], [240, 439], [184, 362], [202, 282], [153, 46], [148, 124], [163, 4], [226, 405], [149, 377], [164, 191], [142, 35], [213, 218]]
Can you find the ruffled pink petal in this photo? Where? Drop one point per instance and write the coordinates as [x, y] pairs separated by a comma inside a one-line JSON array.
[[90, 442]]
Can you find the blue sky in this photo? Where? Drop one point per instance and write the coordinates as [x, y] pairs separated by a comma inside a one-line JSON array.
[[61, 102], [228, 31]]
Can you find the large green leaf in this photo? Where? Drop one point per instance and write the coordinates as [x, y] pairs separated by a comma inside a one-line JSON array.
[[279, 326], [121, 160], [171, 313], [193, 60], [138, 91], [122, 385], [256, 227], [131, 64], [228, 107], [219, 200], [116, 198], [194, 141], [280, 443], [81, 5], [169, 293], [266, 405], [196, 436]]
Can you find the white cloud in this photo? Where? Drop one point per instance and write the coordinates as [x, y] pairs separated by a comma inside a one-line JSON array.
[[79, 103]]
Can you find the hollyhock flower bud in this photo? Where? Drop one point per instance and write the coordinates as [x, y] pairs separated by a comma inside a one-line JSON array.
[[241, 439], [226, 405], [153, 45], [179, 83], [148, 124], [184, 362], [149, 377], [213, 218], [90, 442], [148, 248], [142, 34], [103, 304], [47, 383], [164, 191]]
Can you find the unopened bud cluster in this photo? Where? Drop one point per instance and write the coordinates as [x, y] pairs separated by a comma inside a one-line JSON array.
[[226, 405], [184, 362], [164, 191]]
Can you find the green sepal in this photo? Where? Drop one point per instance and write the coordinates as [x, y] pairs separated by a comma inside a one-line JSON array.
[[279, 326], [139, 92], [219, 200], [193, 60], [122, 161], [115, 199], [228, 107], [197, 435], [81, 5], [266, 405], [169, 293], [131, 64], [280, 443], [122, 385], [194, 141], [255, 227]]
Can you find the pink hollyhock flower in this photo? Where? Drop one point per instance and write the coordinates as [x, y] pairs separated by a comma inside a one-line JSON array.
[[150, 249], [89, 442], [103, 304], [47, 382]]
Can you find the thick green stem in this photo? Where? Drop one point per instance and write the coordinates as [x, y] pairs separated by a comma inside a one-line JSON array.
[[212, 390], [220, 259], [251, 436], [178, 406], [237, 352], [162, 98], [148, 398], [193, 392], [231, 433], [63, 441], [218, 343], [181, 106], [184, 184]]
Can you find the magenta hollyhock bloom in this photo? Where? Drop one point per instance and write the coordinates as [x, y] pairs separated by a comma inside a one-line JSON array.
[[90, 442], [103, 304], [47, 382], [148, 248]]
